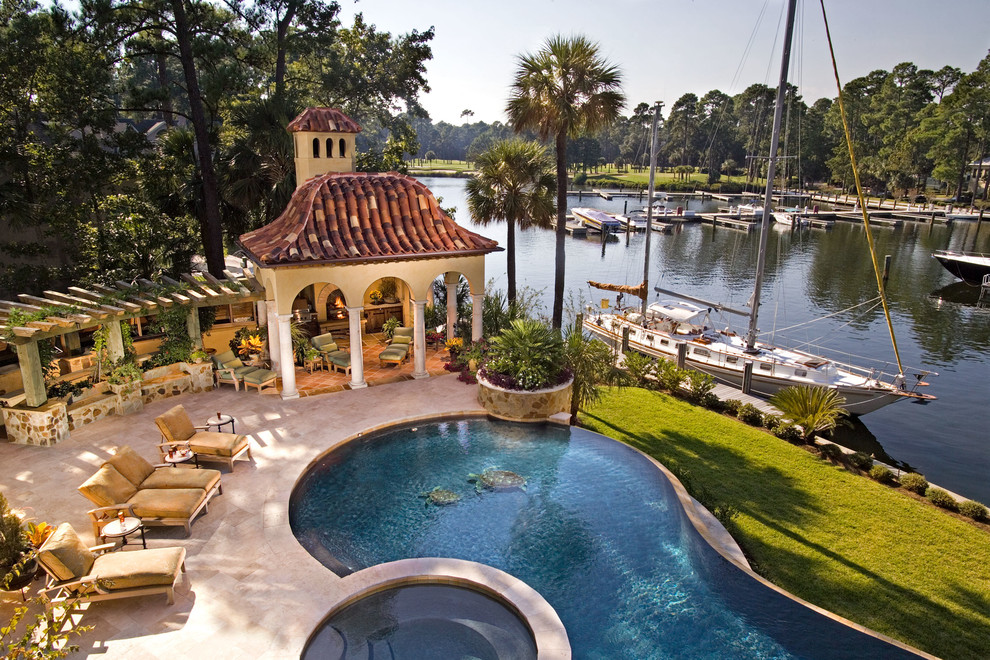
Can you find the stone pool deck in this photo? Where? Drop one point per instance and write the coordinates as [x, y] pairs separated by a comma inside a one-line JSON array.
[[250, 590]]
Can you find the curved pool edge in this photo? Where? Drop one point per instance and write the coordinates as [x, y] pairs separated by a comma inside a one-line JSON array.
[[546, 628], [703, 521]]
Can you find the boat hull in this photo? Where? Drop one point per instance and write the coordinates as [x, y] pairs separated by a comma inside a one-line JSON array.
[[969, 269]]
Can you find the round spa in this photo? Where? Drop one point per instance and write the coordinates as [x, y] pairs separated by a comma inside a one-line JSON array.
[[591, 524]]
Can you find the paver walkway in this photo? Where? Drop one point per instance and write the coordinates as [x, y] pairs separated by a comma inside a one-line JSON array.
[[250, 590]]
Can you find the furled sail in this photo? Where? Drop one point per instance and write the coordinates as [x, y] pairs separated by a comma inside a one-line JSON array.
[[638, 291]]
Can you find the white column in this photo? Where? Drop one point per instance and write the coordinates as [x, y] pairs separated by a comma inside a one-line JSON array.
[[285, 357], [477, 301], [451, 280], [419, 340], [357, 346], [274, 348], [261, 312]]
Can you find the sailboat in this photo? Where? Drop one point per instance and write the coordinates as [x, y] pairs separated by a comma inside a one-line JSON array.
[[682, 329]]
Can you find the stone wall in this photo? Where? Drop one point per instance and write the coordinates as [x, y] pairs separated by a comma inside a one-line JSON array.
[[519, 406], [46, 425]]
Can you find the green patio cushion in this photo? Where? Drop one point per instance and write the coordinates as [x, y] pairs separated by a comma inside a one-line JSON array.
[[240, 372], [213, 443], [324, 342], [394, 353], [175, 425], [402, 331], [259, 376], [131, 465], [401, 339], [167, 502], [236, 363], [145, 568], [107, 487], [226, 356], [64, 555], [340, 358], [182, 478]]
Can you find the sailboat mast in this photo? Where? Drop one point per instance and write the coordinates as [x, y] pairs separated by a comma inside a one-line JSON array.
[[649, 204], [778, 112]]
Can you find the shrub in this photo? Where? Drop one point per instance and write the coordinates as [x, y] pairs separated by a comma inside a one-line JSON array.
[[860, 460], [788, 432], [580, 179], [974, 510], [527, 355], [882, 474], [669, 376], [771, 422], [732, 406], [712, 402], [941, 498], [914, 482], [642, 369], [700, 384], [829, 450], [750, 414]]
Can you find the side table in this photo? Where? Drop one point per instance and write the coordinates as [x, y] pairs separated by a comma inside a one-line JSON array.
[[220, 421], [115, 529], [181, 456]]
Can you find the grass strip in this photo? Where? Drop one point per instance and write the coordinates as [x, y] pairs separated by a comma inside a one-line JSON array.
[[842, 541]]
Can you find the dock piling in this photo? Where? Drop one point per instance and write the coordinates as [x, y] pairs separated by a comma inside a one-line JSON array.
[[886, 267]]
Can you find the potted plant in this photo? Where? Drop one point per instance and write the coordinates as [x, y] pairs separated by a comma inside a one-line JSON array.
[[376, 297], [17, 566], [388, 290], [525, 377], [198, 356], [37, 533], [388, 328]]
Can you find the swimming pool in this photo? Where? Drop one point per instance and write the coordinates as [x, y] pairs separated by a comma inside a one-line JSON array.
[[596, 529]]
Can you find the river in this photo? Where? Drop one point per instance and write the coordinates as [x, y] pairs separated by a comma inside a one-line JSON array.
[[810, 274]]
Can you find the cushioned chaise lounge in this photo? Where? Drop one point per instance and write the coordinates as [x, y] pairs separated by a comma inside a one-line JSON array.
[[76, 572], [209, 445], [336, 358], [400, 347], [230, 369]]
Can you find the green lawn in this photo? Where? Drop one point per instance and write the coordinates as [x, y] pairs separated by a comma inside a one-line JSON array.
[[868, 552]]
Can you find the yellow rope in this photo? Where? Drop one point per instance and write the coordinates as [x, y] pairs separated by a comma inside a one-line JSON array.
[[862, 201]]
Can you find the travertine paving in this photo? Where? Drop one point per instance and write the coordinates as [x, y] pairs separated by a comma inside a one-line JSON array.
[[250, 590]]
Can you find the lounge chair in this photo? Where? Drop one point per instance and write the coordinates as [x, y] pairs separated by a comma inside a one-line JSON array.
[[260, 378], [76, 572], [336, 358], [229, 369], [399, 348], [178, 430]]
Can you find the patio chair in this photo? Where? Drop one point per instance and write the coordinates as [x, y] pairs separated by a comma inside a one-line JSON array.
[[177, 429], [336, 358], [76, 572], [399, 348], [260, 378], [229, 369]]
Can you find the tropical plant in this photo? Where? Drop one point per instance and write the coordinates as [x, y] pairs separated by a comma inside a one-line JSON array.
[[564, 90], [814, 409], [38, 532], [388, 328], [250, 345], [527, 355], [514, 183], [593, 364], [642, 369]]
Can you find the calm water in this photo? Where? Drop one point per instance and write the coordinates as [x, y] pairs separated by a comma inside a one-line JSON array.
[[810, 274], [597, 531]]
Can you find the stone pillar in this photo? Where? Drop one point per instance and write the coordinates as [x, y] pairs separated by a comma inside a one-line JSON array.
[[115, 341], [419, 339], [192, 327], [261, 312], [477, 325], [357, 346], [32, 375], [285, 357], [451, 281], [73, 345], [274, 348]]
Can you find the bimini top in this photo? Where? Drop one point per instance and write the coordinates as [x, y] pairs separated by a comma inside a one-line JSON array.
[[323, 120], [339, 218]]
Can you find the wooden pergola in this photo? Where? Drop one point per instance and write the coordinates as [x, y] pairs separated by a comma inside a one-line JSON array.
[[99, 305]]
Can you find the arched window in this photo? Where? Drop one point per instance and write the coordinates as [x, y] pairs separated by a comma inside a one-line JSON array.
[[329, 147], [343, 149], [316, 147]]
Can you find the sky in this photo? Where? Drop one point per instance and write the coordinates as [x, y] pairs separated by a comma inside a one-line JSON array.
[[666, 48]]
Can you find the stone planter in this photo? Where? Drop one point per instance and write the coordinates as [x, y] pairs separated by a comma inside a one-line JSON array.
[[45, 425], [128, 397], [521, 406]]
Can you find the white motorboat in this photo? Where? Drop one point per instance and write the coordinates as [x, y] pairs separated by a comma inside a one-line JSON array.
[[600, 220]]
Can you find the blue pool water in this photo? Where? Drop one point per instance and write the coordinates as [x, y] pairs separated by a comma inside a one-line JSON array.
[[597, 530]]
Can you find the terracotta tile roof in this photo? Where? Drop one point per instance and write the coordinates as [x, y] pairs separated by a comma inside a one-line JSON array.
[[323, 120], [355, 217]]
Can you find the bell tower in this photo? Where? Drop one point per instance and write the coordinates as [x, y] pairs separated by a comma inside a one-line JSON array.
[[323, 141]]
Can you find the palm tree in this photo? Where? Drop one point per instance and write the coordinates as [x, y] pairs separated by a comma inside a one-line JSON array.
[[593, 364], [514, 183], [814, 409], [565, 89]]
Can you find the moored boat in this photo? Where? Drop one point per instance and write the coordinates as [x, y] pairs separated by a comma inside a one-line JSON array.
[[599, 220], [971, 267]]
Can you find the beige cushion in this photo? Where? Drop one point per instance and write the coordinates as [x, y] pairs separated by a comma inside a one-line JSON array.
[[167, 502], [129, 464], [175, 424], [141, 568], [212, 443], [107, 487], [182, 478], [403, 332], [401, 339], [64, 556]]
